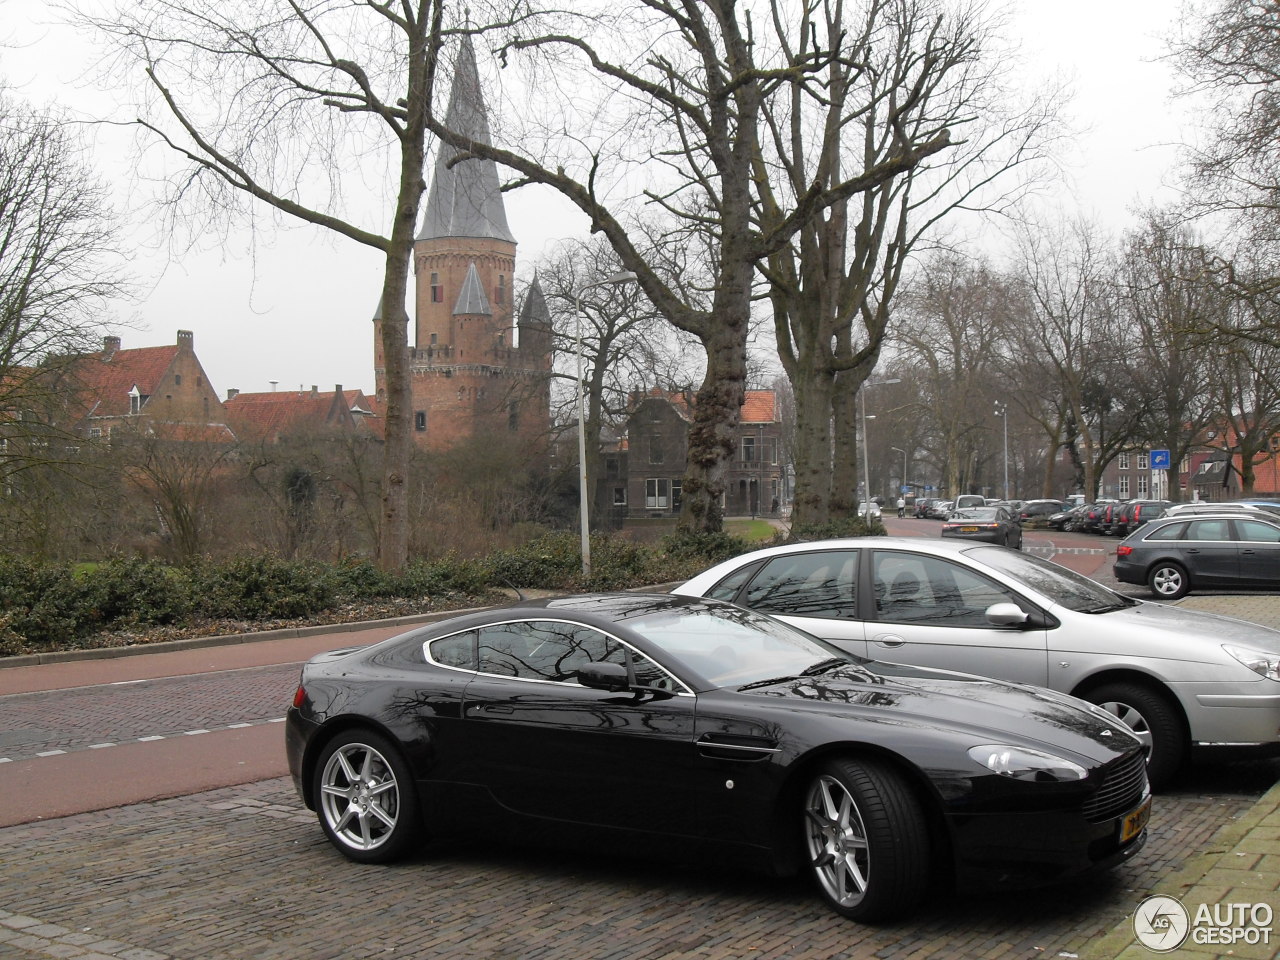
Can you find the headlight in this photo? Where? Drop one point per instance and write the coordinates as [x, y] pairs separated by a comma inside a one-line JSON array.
[[1023, 763], [1259, 661]]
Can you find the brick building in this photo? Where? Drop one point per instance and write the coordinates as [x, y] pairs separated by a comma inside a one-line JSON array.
[[475, 373], [152, 391], [650, 463], [287, 414]]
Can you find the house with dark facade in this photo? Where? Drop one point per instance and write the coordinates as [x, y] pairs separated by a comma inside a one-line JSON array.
[[644, 472]]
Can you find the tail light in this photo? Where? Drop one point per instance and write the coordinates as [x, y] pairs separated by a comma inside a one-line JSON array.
[[299, 697], [1123, 550]]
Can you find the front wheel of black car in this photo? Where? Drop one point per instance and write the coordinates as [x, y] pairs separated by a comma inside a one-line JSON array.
[[1153, 720], [365, 797], [1168, 580], [866, 840]]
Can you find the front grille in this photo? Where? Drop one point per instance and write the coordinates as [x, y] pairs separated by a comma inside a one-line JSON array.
[[1123, 785]]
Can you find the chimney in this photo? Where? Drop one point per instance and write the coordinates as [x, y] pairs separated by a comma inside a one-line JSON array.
[[315, 391], [186, 340], [232, 393], [109, 346]]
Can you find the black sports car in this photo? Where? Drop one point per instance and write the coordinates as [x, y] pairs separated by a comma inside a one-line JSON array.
[[647, 723]]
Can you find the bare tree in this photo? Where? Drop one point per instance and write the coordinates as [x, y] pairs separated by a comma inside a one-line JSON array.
[[275, 103], [59, 263], [907, 69], [623, 341], [690, 107]]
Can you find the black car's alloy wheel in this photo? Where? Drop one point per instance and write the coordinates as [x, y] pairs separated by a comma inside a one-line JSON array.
[[365, 797], [866, 840], [1153, 721], [1168, 580]]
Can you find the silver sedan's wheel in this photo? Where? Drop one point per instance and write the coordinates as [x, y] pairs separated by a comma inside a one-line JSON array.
[[364, 798], [866, 840], [1153, 720]]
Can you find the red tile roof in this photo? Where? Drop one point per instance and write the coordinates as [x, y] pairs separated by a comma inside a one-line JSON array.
[[104, 381], [270, 416], [760, 406]]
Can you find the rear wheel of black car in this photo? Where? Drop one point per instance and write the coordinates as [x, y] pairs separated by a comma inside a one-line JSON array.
[[365, 797], [1168, 580], [1153, 720], [866, 840]]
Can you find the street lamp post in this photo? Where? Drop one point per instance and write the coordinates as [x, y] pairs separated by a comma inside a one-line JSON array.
[[866, 446], [621, 277], [1002, 411]]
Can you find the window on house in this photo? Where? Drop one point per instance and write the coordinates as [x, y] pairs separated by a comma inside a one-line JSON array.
[[656, 452], [657, 493], [420, 421], [95, 433], [177, 379], [437, 289], [770, 451], [1143, 480], [749, 449], [1144, 462], [135, 401], [1122, 461], [611, 468], [619, 496], [1122, 489], [675, 494]]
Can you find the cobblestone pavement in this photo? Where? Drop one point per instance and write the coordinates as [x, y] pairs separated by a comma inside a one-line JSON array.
[[245, 873]]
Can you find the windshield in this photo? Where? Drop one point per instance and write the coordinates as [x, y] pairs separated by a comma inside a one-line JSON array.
[[731, 646], [1066, 587]]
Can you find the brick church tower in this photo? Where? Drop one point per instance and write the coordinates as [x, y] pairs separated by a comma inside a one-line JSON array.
[[474, 372]]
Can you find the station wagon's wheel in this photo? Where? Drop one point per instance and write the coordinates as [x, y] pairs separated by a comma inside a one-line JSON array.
[[866, 840], [1153, 720], [365, 797], [1168, 580]]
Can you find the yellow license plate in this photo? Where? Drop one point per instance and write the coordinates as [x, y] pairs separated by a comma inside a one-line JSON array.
[[968, 529], [1135, 821]]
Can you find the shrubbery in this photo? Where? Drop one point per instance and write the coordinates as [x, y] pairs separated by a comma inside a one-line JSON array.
[[49, 606]]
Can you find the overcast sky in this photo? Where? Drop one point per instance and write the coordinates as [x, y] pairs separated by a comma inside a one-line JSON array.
[[297, 310]]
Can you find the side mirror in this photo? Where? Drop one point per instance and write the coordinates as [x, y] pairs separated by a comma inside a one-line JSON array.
[[604, 676], [1006, 615]]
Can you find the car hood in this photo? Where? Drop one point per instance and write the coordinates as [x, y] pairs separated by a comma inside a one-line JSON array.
[[987, 711], [1161, 631]]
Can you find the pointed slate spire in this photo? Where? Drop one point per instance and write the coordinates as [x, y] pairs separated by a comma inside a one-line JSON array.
[[471, 299], [464, 200], [534, 313]]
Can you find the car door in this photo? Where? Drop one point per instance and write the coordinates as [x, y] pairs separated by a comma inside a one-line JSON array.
[[548, 747], [815, 591], [931, 611], [1258, 553], [1211, 553]]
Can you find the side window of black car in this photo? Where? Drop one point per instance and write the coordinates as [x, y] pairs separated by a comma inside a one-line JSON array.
[[458, 650], [1174, 531], [806, 585], [1255, 532]]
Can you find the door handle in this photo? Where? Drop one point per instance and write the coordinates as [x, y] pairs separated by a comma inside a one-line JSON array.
[[889, 640]]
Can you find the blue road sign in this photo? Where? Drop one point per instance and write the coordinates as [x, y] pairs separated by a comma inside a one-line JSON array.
[[1159, 459]]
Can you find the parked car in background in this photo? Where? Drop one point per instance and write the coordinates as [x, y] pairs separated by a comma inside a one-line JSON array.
[[1107, 522], [1036, 513], [1181, 679], [970, 500], [658, 724], [1195, 551], [1068, 520], [985, 524], [1134, 513], [1093, 515], [940, 509], [922, 506]]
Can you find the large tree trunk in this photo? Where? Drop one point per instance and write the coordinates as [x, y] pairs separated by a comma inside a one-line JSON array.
[[813, 390], [846, 439]]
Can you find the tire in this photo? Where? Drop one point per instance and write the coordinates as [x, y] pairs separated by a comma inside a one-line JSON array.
[[1168, 580], [365, 798], [866, 841], [1153, 720]]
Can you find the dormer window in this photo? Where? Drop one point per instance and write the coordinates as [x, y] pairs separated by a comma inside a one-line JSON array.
[[135, 401]]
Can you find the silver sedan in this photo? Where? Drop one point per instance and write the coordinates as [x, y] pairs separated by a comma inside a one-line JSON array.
[[1181, 679]]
